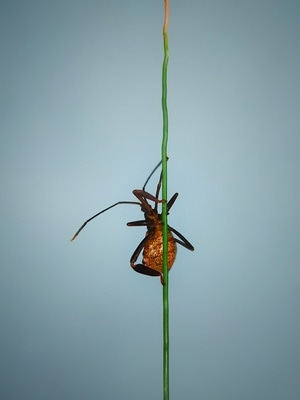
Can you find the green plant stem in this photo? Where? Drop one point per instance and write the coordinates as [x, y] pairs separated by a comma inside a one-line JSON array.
[[164, 208]]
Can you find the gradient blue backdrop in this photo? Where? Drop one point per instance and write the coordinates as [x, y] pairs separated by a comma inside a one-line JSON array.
[[80, 129]]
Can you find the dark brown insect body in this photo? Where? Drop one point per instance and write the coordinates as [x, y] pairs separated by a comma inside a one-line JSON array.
[[152, 244]]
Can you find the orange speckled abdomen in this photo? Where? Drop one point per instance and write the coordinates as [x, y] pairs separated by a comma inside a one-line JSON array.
[[153, 250]]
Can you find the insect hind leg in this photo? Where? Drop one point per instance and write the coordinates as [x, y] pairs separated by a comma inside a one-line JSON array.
[[143, 269]]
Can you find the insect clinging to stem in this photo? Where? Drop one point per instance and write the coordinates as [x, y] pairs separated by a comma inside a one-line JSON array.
[[152, 244]]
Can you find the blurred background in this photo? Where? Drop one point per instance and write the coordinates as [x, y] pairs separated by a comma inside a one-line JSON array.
[[81, 127]]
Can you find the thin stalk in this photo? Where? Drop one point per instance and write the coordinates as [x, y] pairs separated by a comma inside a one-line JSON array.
[[164, 207]]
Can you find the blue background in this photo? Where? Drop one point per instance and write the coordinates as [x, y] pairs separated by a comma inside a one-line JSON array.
[[81, 128]]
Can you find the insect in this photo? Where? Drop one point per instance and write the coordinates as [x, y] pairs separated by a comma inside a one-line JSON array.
[[152, 244]]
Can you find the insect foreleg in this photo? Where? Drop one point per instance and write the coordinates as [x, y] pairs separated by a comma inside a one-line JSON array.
[[172, 201], [142, 195]]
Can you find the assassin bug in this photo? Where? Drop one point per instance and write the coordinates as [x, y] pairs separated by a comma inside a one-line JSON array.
[[152, 244]]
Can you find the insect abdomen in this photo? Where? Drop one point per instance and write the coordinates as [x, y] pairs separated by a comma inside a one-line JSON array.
[[153, 251]]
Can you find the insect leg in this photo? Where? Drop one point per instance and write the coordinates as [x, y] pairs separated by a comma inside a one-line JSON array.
[[137, 223], [142, 195], [142, 268], [184, 242], [96, 215], [172, 201]]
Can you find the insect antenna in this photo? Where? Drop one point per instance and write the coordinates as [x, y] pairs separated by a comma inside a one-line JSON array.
[[119, 202], [149, 177], [96, 215]]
